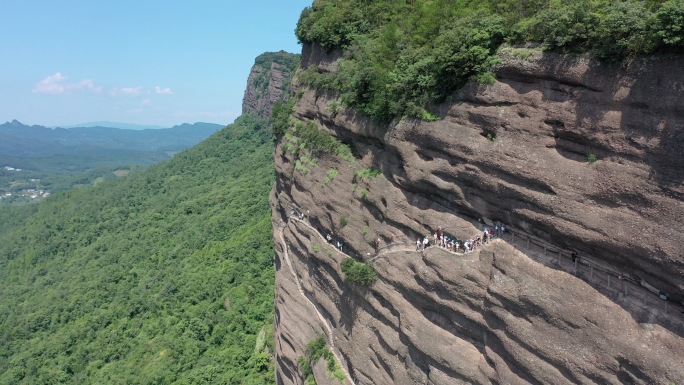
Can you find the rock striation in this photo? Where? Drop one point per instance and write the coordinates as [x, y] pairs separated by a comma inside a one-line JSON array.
[[268, 82], [574, 154]]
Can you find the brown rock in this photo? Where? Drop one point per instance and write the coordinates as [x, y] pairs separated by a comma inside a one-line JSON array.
[[497, 315], [268, 82]]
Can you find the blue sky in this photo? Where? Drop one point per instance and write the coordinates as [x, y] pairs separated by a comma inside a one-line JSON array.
[[146, 61]]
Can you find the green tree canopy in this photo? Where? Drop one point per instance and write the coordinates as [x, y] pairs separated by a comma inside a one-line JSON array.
[[164, 276], [401, 56]]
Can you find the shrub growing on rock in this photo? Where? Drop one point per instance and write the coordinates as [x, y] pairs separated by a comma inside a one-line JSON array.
[[591, 158], [358, 272]]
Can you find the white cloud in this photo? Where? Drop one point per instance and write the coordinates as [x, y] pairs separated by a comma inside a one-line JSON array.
[[85, 84], [51, 85], [126, 91], [164, 91], [142, 107], [55, 85]]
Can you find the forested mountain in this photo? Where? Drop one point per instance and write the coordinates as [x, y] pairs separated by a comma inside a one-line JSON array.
[[160, 277]]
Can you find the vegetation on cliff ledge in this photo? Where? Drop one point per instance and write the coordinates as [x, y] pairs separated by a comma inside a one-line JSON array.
[[358, 272], [315, 350], [306, 142], [399, 56]]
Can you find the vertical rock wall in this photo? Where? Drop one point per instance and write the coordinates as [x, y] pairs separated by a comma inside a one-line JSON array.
[[269, 81], [515, 152]]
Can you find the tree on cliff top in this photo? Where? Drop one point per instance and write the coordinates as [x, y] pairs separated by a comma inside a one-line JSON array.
[[400, 56]]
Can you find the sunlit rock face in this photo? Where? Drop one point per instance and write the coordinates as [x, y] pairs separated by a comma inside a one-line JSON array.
[[575, 154], [268, 82]]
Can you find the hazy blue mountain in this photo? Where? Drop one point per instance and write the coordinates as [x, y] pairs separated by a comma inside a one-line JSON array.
[[17, 139], [121, 125], [57, 159]]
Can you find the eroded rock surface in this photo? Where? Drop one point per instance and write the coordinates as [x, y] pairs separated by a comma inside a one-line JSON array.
[[268, 82], [515, 152]]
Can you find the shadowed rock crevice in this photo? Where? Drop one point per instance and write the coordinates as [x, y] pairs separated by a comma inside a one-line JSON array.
[[511, 360], [382, 365]]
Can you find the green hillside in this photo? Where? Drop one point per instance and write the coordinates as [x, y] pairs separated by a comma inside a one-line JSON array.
[[160, 277]]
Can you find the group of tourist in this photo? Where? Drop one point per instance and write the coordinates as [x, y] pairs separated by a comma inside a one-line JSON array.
[[439, 238], [339, 244], [457, 245], [298, 214]]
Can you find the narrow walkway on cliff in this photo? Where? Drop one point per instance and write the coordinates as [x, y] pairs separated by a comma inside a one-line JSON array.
[[392, 247], [645, 302], [328, 328]]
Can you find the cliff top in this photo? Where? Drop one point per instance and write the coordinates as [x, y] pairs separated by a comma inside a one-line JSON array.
[[402, 56]]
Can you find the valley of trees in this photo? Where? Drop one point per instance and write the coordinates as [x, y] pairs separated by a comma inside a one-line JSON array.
[[37, 158], [400, 56], [160, 277]]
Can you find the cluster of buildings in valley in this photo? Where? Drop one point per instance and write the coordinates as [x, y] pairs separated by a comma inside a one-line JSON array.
[[34, 193], [29, 193]]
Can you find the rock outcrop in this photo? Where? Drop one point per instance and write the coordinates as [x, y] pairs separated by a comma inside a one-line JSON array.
[[268, 82], [575, 154]]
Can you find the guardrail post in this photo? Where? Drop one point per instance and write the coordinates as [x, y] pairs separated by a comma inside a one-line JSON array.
[[559, 257], [545, 249], [591, 272], [528, 242], [575, 267], [512, 238], [609, 280], [665, 307]]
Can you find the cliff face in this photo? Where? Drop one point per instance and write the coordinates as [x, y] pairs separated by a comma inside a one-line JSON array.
[[268, 82], [518, 310]]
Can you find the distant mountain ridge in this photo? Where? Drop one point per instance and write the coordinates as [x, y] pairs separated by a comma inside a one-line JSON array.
[[121, 125], [61, 158], [17, 139]]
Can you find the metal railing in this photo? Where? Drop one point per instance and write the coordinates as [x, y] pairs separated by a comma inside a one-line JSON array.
[[615, 284]]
